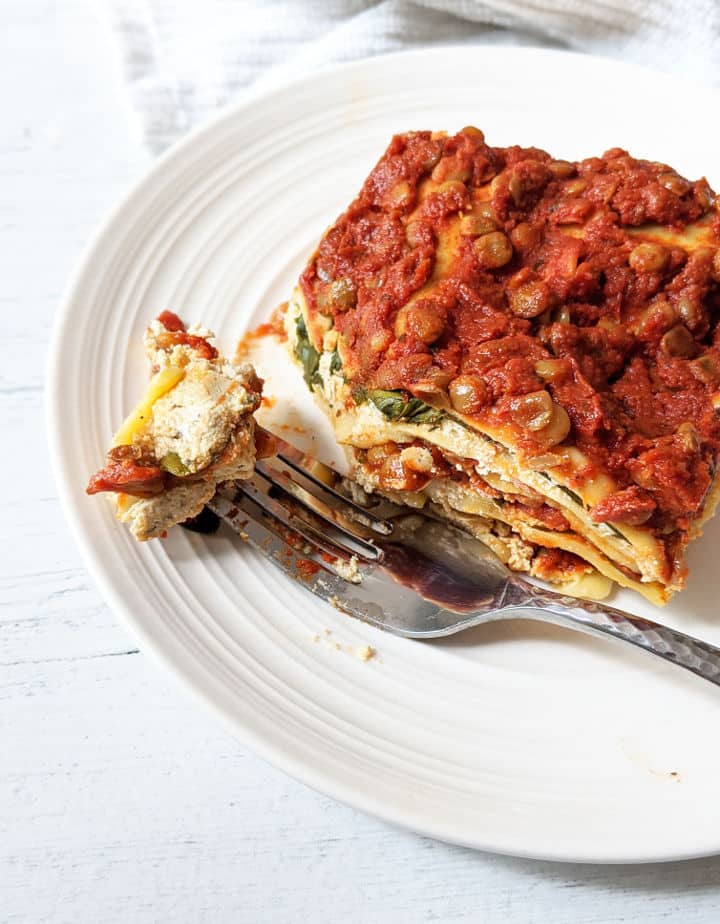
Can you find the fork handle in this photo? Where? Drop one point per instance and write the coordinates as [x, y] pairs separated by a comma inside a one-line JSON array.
[[595, 618]]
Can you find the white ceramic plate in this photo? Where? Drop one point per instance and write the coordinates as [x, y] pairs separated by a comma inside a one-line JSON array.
[[516, 738]]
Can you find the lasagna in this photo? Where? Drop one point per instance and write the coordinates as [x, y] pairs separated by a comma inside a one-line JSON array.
[[528, 347], [193, 429]]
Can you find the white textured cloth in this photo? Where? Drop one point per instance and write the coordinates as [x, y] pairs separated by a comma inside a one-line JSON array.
[[181, 61]]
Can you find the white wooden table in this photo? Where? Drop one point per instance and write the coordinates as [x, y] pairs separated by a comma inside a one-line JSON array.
[[120, 800]]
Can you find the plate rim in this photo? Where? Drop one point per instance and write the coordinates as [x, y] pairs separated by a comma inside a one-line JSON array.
[[185, 672]]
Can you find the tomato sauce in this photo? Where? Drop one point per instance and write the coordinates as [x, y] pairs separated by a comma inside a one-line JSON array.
[[458, 258], [177, 334], [126, 474], [551, 564], [170, 321]]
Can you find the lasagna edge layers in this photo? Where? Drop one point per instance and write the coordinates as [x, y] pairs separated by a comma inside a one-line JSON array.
[[357, 427]]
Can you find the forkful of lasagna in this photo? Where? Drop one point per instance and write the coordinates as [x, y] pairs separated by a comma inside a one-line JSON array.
[[192, 429]]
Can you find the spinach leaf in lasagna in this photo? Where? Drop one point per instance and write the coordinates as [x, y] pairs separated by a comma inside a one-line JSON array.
[[307, 355], [335, 362], [571, 494], [618, 533], [395, 405]]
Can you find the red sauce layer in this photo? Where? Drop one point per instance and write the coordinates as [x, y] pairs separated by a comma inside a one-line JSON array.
[[539, 260], [126, 473]]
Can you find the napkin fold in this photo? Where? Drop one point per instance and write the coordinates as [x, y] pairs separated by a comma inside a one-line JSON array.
[[181, 61]]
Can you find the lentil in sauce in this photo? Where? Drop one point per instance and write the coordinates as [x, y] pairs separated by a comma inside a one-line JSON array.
[[581, 298]]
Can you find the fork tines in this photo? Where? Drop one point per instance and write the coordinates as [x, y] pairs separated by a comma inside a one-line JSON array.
[[321, 481], [293, 498], [325, 528]]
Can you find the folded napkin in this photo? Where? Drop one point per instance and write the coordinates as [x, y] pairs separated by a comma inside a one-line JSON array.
[[181, 61]]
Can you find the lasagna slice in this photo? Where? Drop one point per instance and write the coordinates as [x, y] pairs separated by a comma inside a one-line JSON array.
[[192, 429], [529, 347]]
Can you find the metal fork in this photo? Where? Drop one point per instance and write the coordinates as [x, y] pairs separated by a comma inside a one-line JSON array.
[[408, 573]]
